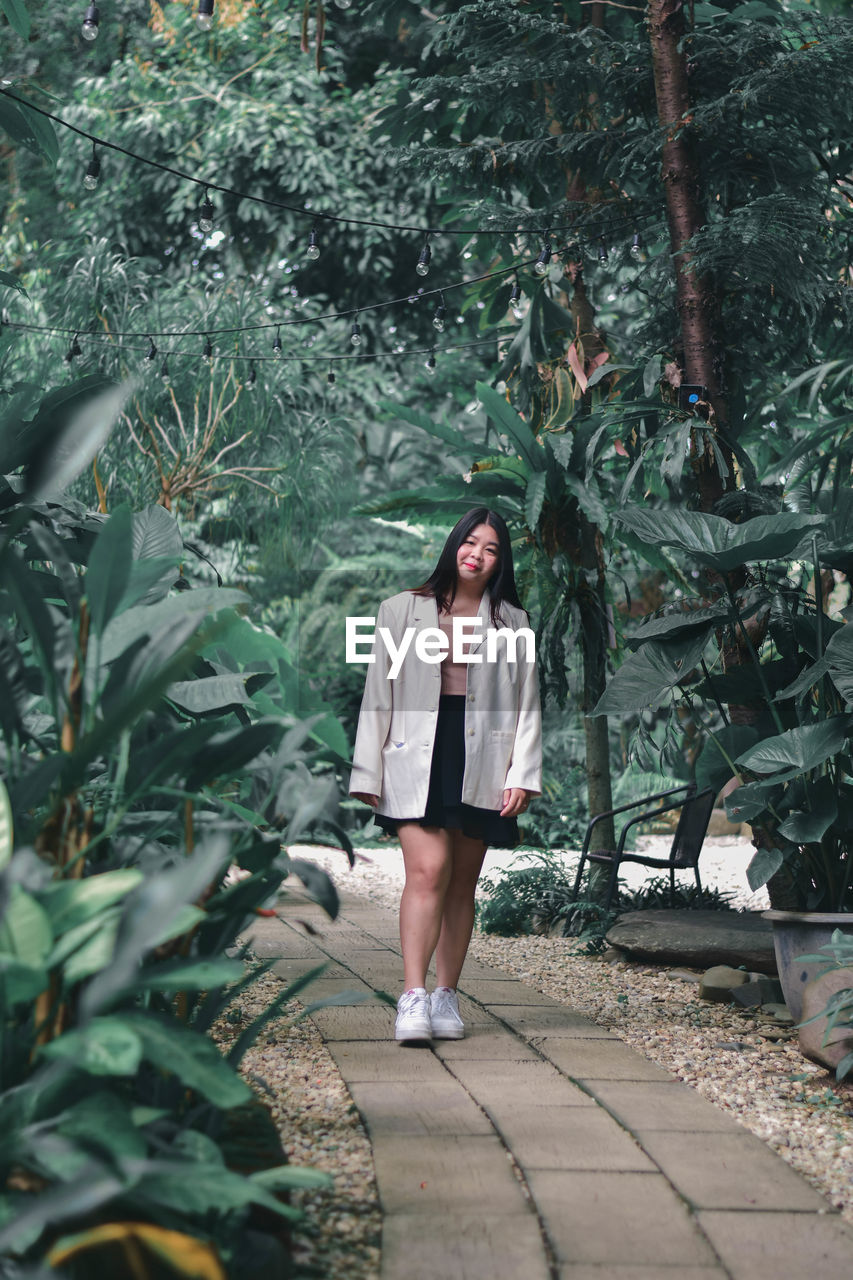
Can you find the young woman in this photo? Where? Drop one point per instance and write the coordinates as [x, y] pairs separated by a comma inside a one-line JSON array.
[[448, 751]]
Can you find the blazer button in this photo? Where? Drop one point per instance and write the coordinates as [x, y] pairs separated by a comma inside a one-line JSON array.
[[470, 733]]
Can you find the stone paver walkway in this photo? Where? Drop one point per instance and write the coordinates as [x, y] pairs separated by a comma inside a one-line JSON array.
[[541, 1147]]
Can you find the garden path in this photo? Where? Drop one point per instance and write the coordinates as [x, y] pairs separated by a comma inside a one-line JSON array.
[[542, 1146]]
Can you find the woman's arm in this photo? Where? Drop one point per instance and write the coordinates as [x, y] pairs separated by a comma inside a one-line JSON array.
[[374, 719]]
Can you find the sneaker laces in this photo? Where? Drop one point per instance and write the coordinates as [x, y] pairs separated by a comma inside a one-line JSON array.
[[445, 1001], [410, 1001]]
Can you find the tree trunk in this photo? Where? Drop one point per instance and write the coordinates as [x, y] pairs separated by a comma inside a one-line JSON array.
[[698, 309]]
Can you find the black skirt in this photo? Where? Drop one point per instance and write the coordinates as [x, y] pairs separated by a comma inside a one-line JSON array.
[[444, 807]]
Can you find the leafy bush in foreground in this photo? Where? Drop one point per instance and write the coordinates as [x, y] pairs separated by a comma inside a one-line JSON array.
[[151, 736]]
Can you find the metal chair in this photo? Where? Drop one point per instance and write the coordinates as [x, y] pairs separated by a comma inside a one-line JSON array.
[[686, 845]]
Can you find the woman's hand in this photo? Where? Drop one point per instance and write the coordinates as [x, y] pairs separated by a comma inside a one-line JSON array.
[[516, 800], [363, 796]]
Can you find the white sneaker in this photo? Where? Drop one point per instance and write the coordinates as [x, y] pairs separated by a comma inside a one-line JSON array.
[[444, 1015], [413, 1016]]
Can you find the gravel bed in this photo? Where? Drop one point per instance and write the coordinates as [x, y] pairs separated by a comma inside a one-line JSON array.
[[319, 1127], [743, 1062]]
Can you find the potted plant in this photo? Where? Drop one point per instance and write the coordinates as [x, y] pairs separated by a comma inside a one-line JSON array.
[[756, 663]]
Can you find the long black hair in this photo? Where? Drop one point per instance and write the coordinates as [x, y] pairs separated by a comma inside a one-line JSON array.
[[442, 582]]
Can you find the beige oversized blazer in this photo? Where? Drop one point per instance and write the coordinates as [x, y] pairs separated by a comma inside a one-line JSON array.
[[397, 721]]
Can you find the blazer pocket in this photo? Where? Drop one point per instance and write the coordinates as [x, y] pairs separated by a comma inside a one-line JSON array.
[[502, 735]]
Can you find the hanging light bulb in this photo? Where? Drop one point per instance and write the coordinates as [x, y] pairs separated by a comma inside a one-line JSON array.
[[543, 261], [204, 17], [207, 353], [313, 250], [151, 353], [330, 377], [439, 319], [636, 245], [343, 4], [165, 376], [602, 250], [430, 363], [73, 351], [93, 172], [515, 296], [89, 29], [276, 346], [355, 333], [206, 214], [422, 267], [252, 378]]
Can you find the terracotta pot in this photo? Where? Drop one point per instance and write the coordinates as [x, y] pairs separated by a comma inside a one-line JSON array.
[[800, 933]]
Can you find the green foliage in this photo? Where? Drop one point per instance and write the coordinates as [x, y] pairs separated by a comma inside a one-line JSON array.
[[151, 736], [538, 894]]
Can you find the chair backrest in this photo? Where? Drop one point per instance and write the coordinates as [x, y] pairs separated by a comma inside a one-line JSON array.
[[692, 825]]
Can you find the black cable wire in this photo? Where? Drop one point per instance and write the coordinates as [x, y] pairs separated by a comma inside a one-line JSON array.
[[315, 214], [284, 359], [410, 299]]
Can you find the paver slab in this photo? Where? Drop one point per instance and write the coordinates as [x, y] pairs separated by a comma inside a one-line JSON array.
[[368, 1021], [437, 1176], [780, 1246], [646, 1105], [384, 1060], [537, 1020], [506, 1083], [484, 1044], [568, 1138], [506, 1247], [618, 1218], [435, 1109], [729, 1171], [587, 1057], [490, 992]]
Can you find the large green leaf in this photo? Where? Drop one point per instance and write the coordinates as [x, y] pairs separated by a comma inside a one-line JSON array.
[[713, 768], [676, 622], [522, 439], [209, 693], [108, 568], [106, 1046], [458, 442], [191, 975], [25, 931], [227, 753], [146, 620], [18, 15], [647, 678], [19, 982], [190, 1056], [202, 1190], [717, 543], [839, 659], [810, 826], [70, 436], [804, 747], [69, 903], [764, 864]]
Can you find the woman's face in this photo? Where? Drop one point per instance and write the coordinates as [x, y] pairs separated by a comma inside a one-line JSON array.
[[477, 558]]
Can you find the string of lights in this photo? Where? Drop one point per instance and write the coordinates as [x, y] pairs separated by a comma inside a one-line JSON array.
[[207, 211], [422, 295]]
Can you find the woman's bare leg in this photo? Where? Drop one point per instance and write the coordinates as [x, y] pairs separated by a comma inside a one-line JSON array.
[[457, 919], [427, 858]]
